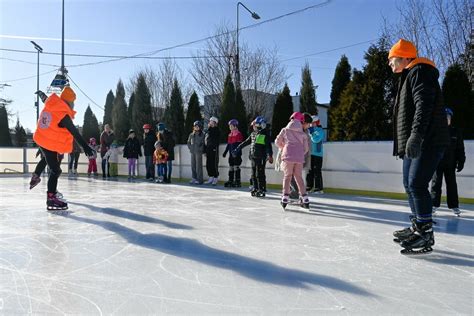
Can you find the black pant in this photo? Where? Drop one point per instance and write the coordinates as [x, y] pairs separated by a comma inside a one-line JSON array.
[[234, 168], [314, 179], [449, 173], [104, 162], [51, 159], [258, 174], [73, 160], [212, 162]]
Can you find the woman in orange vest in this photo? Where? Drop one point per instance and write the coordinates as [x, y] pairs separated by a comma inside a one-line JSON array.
[[54, 135]]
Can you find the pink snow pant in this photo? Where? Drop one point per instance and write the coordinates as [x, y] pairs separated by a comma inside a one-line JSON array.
[[132, 162], [293, 169], [92, 166]]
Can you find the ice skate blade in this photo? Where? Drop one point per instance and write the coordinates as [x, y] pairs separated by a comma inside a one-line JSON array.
[[419, 252]]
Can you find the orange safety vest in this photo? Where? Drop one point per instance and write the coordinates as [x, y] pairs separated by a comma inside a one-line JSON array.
[[48, 134]]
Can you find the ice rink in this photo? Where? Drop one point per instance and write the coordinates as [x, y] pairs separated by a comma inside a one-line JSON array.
[[143, 248]]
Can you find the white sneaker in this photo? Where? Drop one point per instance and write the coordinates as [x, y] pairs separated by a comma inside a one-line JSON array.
[[319, 192], [210, 181], [456, 211], [214, 181], [193, 181]]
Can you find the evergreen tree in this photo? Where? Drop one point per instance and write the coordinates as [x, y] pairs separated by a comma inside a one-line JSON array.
[[119, 115], [228, 108], [240, 114], [281, 111], [20, 134], [131, 101], [142, 112], [193, 114], [109, 104], [307, 94], [90, 127], [174, 114], [342, 76], [5, 138], [459, 97]]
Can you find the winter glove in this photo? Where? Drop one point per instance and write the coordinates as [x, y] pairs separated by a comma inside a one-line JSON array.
[[312, 129], [41, 95], [270, 159], [88, 151], [460, 166], [413, 147], [224, 154]]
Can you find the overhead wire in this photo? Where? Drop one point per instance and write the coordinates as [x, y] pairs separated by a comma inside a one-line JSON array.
[[85, 94]]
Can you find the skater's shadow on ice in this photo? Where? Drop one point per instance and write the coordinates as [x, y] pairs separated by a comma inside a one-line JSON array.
[[448, 257], [132, 216], [255, 269]]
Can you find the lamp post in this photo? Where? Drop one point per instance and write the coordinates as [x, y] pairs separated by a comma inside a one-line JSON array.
[[39, 50], [237, 62]]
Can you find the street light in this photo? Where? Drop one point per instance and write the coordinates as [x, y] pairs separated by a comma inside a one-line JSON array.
[[237, 62], [39, 50]]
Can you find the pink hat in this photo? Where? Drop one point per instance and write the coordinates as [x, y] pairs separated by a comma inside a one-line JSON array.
[[297, 116]]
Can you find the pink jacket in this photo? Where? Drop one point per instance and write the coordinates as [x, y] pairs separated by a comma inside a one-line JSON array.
[[293, 142]]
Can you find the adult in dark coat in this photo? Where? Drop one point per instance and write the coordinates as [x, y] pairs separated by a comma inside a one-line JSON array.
[[211, 148], [149, 139], [420, 138], [168, 142], [453, 160], [106, 139]]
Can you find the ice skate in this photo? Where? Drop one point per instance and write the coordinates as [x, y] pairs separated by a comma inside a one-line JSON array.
[[214, 181], [210, 180], [284, 201], [456, 211], [236, 184], [193, 181], [53, 203], [420, 241], [35, 179], [304, 201], [260, 194], [228, 184], [253, 192], [402, 234]]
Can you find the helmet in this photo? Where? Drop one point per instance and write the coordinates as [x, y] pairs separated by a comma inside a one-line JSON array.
[[197, 123], [147, 126], [297, 116], [260, 122], [316, 119], [214, 119], [131, 131], [448, 111], [233, 122], [161, 127], [307, 117]]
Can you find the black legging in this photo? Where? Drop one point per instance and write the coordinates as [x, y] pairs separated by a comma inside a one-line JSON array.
[[212, 163], [51, 159], [258, 174]]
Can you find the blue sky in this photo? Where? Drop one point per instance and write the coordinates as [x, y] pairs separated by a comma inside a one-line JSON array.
[[127, 27]]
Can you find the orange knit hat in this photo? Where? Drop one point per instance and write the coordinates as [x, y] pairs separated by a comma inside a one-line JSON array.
[[404, 49], [68, 94]]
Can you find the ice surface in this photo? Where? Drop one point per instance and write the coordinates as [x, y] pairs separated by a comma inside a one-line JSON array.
[[144, 248]]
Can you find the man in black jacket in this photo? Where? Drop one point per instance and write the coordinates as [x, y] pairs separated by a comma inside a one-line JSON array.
[[453, 161], [149, 139], [420, 139], [211, 148]]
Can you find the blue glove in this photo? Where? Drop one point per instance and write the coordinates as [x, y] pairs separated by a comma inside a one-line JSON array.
[[312, 129]]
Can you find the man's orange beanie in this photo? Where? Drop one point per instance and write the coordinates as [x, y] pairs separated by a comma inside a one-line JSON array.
[[404, 49], [68, 94]]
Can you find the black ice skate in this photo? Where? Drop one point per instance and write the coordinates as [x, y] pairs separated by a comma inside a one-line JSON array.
[[236, 184], [253, 192], [260, 194], [284, 201], [420, 241], [304, 201], [228, 184], [35, 179], [53, 203], [402, 234]]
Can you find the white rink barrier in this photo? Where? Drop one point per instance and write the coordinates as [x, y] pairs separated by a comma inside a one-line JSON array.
[[346, 165]]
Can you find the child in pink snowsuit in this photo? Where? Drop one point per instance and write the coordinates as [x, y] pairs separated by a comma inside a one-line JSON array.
[[293, 144], [93, 159]]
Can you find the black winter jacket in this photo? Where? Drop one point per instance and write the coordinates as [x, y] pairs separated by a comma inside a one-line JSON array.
[[167, 141], [419, 108], [211, 140], [149, 143], [260, 145], [132, 148], [454, 155]]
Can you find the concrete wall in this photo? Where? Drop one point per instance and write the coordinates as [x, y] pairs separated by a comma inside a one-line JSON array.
[[348, 165]]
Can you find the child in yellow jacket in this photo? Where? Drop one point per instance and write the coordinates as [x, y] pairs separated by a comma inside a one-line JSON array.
[[160, 157]]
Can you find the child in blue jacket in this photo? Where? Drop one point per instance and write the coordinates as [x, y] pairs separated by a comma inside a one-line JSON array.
[[314, 179]]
